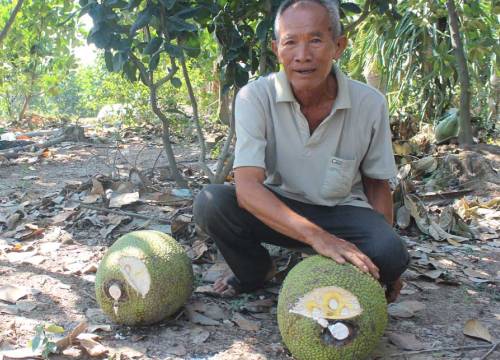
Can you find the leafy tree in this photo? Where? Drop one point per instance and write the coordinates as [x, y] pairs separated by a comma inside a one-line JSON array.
[[10, 20], [39, 53]]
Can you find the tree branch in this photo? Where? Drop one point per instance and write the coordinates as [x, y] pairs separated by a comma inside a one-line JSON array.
[[196, 117], [143, 72], [10, 21], [169, 76], [360, 19]]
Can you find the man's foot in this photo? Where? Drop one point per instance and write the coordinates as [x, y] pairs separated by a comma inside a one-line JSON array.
[[229, 285], [392, 290]]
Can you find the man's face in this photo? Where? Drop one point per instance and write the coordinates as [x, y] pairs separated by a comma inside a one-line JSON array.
[[306, 46]]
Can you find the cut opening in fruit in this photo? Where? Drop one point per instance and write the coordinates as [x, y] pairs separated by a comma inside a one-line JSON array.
[[328, 303], [136, 274]]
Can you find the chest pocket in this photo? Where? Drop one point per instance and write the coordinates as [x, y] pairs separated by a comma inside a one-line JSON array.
[[338, 178]]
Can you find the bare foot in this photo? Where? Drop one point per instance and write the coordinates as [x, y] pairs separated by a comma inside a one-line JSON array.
[[392, 290], [229, 286], [225, 286]]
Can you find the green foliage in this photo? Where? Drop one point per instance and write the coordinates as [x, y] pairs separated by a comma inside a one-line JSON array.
[[39, 53], [43, 340], [225, 44], [412, 54]]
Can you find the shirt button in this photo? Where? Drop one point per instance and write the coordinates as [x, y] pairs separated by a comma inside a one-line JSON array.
[[307, 153]]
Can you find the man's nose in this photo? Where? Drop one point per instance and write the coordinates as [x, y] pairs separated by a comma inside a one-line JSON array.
[[303, 53]]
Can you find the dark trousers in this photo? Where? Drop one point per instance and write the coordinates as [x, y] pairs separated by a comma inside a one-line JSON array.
[[238, 234]]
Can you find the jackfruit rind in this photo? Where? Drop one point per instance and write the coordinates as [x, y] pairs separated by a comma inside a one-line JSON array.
[[305, 337], [164, 278]]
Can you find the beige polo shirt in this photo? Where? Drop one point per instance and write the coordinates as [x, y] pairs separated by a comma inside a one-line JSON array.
[[323, 168]]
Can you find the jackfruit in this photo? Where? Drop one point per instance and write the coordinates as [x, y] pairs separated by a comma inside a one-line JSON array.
[[330, 311], [144, 277]]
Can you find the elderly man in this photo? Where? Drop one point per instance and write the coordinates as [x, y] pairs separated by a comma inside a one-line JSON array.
[[313, 155]]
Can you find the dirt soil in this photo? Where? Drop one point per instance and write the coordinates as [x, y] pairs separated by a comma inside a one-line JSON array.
[[55, 265]]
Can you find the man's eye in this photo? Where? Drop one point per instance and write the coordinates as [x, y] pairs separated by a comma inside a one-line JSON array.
[[289, 42], [316, 41]]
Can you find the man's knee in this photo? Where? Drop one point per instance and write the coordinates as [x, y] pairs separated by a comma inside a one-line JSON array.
[[392, 257], [210, 204]]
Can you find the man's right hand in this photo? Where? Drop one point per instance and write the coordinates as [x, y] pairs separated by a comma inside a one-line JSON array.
[[343, 251]]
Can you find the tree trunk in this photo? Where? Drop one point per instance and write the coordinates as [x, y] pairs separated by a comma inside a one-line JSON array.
[[465, 134], [264, 43], [226, 158], [177, 176], [10, 21], [194, 105], [24, 108]]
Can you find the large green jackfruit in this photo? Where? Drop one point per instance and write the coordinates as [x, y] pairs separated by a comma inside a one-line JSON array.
[[328, 311], [144, 277]]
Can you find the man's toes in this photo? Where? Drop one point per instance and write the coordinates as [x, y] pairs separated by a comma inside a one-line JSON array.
[[229, 292]]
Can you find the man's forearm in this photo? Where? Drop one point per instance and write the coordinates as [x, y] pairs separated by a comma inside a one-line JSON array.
[[269, 209], [379, 196]]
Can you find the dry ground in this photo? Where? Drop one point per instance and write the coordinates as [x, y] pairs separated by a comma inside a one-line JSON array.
[[62, 290]]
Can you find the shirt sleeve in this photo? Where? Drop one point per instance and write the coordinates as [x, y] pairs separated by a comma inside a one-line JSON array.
[[379, 162], [250, 124]]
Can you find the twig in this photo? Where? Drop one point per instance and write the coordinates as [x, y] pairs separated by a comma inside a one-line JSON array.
[[156, 161], [445, 194], [125, 213], [471, 347], [493, 347], [138, 154]]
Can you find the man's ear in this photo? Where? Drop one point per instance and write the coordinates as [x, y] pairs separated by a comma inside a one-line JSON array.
[[340, 45]]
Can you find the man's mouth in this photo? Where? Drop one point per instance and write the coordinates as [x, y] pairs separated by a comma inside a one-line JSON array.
[[305, 71]]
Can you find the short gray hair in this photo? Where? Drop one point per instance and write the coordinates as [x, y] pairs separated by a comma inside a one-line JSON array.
[[332, 6]]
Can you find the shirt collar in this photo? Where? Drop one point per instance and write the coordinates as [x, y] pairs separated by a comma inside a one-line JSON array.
[[284, 91]]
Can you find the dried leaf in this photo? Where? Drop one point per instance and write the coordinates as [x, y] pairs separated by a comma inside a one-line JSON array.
[[97, 188], [198, 249], [476, 273], [62, 217], [98, 327], [405, 309], [199, 335], [69, 340], [90, 199], [405, 341], [475, 329], [197, 318], [120, 200], [425, 165], [13, 219], [403, 217], [213, 311], [216, 271], [259, 306], [92, 347], [244, 323], [26, 305], [129, 353], [24, 353], [12, 293]]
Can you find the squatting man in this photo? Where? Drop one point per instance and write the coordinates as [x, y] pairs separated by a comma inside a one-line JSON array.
[[312, 161]]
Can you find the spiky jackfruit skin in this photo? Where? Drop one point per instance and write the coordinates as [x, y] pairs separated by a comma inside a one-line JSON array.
[[303, 335], [170, 271]]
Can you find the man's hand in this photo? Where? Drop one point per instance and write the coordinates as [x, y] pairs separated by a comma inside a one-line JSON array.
[[341, 251]]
